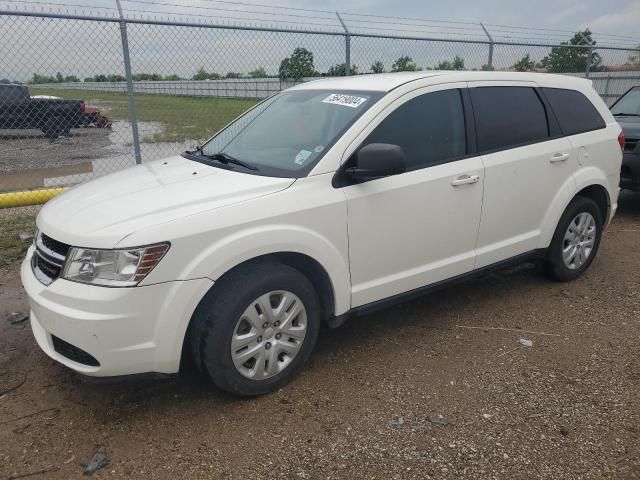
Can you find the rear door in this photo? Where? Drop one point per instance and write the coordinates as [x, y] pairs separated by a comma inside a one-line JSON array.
[[526, 161]]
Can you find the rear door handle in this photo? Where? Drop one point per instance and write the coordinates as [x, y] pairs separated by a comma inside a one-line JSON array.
[[559, 157], [465, 180]]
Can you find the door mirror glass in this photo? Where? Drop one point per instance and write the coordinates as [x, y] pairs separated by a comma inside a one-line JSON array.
[[377, 160]]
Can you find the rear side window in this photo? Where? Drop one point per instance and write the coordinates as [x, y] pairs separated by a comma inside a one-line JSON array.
[[574, 111], [507, 117], [429, 128]]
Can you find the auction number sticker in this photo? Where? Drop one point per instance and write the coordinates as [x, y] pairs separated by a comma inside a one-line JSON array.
[[345, 100]]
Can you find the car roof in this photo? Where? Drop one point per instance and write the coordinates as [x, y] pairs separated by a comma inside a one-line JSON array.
[[385, 82]]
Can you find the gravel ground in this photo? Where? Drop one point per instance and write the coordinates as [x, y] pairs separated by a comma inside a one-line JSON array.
[[29, 149], [29, 161], [404, 393]]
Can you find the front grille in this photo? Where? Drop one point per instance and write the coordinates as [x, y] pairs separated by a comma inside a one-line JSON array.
[[630, 144], [73, 353], [48, 258], [54, 245]]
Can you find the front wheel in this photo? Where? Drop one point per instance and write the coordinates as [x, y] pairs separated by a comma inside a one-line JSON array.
[[575, 241], [256, 328]]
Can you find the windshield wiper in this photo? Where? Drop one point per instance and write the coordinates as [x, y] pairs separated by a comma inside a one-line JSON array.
[[626, 114], [223, 158]]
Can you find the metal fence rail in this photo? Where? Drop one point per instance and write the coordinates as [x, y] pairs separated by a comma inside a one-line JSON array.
[[132, 90]]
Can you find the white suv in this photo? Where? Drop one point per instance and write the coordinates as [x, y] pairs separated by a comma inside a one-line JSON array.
[[323, 201]]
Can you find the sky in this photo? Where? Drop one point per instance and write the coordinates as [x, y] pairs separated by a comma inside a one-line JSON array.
[[612, 17], [47, 46], [619, 17]]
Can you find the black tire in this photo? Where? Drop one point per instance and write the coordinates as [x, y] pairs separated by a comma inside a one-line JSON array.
[[52, 127], [554, 265], [215, 319]]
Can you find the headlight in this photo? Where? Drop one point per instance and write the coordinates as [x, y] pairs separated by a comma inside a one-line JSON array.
[[112, 268]]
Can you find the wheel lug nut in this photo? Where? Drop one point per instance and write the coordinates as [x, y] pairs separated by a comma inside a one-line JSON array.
[[267, 345], [277, 324], [278, 335], [259, 339], [265, 325]]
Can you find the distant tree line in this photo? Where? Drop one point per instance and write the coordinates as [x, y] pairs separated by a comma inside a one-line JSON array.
[[569, 56]]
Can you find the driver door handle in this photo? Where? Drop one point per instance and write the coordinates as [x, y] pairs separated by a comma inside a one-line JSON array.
[[465, 180]]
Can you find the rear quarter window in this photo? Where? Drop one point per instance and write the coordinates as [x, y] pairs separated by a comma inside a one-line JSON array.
[[575, 113]]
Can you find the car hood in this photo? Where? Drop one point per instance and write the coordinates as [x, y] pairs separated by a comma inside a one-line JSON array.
[[102, 212]]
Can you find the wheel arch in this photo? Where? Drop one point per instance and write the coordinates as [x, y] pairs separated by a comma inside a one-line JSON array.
[[600, 195], [591, 184], [305, 264]]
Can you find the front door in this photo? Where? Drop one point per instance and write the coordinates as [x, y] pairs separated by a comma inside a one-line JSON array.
[[416, 228]]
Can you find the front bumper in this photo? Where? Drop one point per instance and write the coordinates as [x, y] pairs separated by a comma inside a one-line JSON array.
[[126, 330], [630, 174]]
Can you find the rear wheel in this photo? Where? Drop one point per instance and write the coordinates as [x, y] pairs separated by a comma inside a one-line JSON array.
[[256, 328], [54, 127], [575, 241]]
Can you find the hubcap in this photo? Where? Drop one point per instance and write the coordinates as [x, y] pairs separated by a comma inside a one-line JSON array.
[[579, 240], [269, 335]]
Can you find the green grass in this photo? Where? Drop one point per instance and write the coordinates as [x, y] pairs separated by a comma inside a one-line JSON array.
[[12, 248], [183, 118]]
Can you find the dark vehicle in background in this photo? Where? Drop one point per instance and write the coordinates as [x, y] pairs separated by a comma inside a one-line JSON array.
[[92, 116], [54, 117], [626, 111]]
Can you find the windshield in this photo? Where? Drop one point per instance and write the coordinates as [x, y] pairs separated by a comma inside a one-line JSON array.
[[629, 104], [287, 134]]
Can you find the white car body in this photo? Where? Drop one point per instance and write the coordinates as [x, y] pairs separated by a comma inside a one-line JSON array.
[[370, 239]]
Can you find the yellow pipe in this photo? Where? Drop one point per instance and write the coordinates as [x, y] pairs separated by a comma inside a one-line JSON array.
[[29, 197]]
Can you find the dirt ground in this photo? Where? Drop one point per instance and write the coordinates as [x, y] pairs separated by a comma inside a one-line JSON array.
[[372, 402]]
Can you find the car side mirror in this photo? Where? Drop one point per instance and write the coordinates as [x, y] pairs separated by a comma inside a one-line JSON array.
[[377, 160]]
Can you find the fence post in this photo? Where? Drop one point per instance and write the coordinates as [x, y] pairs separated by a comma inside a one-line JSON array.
[[605, 95], [589, 60], [347, 45], [490, 61], [130, 93]]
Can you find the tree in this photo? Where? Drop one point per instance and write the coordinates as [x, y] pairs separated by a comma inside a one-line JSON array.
[[568, 58], [404, 64], [298, 65], [258, 73], [340, 70], [202, 74], [377, 67], [37, 78], [634, 59], [458, 63], [525, 64], [487, 68], [232, 75], [444, 65], [59, 77]]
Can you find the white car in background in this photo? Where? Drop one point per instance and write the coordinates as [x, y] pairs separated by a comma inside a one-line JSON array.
[[326, 200]]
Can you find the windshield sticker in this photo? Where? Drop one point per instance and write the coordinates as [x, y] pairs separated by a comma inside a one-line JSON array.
[[302, 156], [345, 100], [318, 149]]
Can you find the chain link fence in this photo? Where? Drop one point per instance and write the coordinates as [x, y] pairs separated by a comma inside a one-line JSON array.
[[81, 97]]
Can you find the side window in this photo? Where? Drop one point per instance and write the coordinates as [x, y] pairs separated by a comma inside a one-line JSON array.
[[429, 128], [507, 117], [574, 111]]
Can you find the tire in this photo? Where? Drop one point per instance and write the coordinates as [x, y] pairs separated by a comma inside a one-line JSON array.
[[562, 269], [222, 313], [52, 128]]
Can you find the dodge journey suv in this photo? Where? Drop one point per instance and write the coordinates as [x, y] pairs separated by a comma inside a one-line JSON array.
[[326, 200]]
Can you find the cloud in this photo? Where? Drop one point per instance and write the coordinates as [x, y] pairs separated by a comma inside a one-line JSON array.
[[623, 22]]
